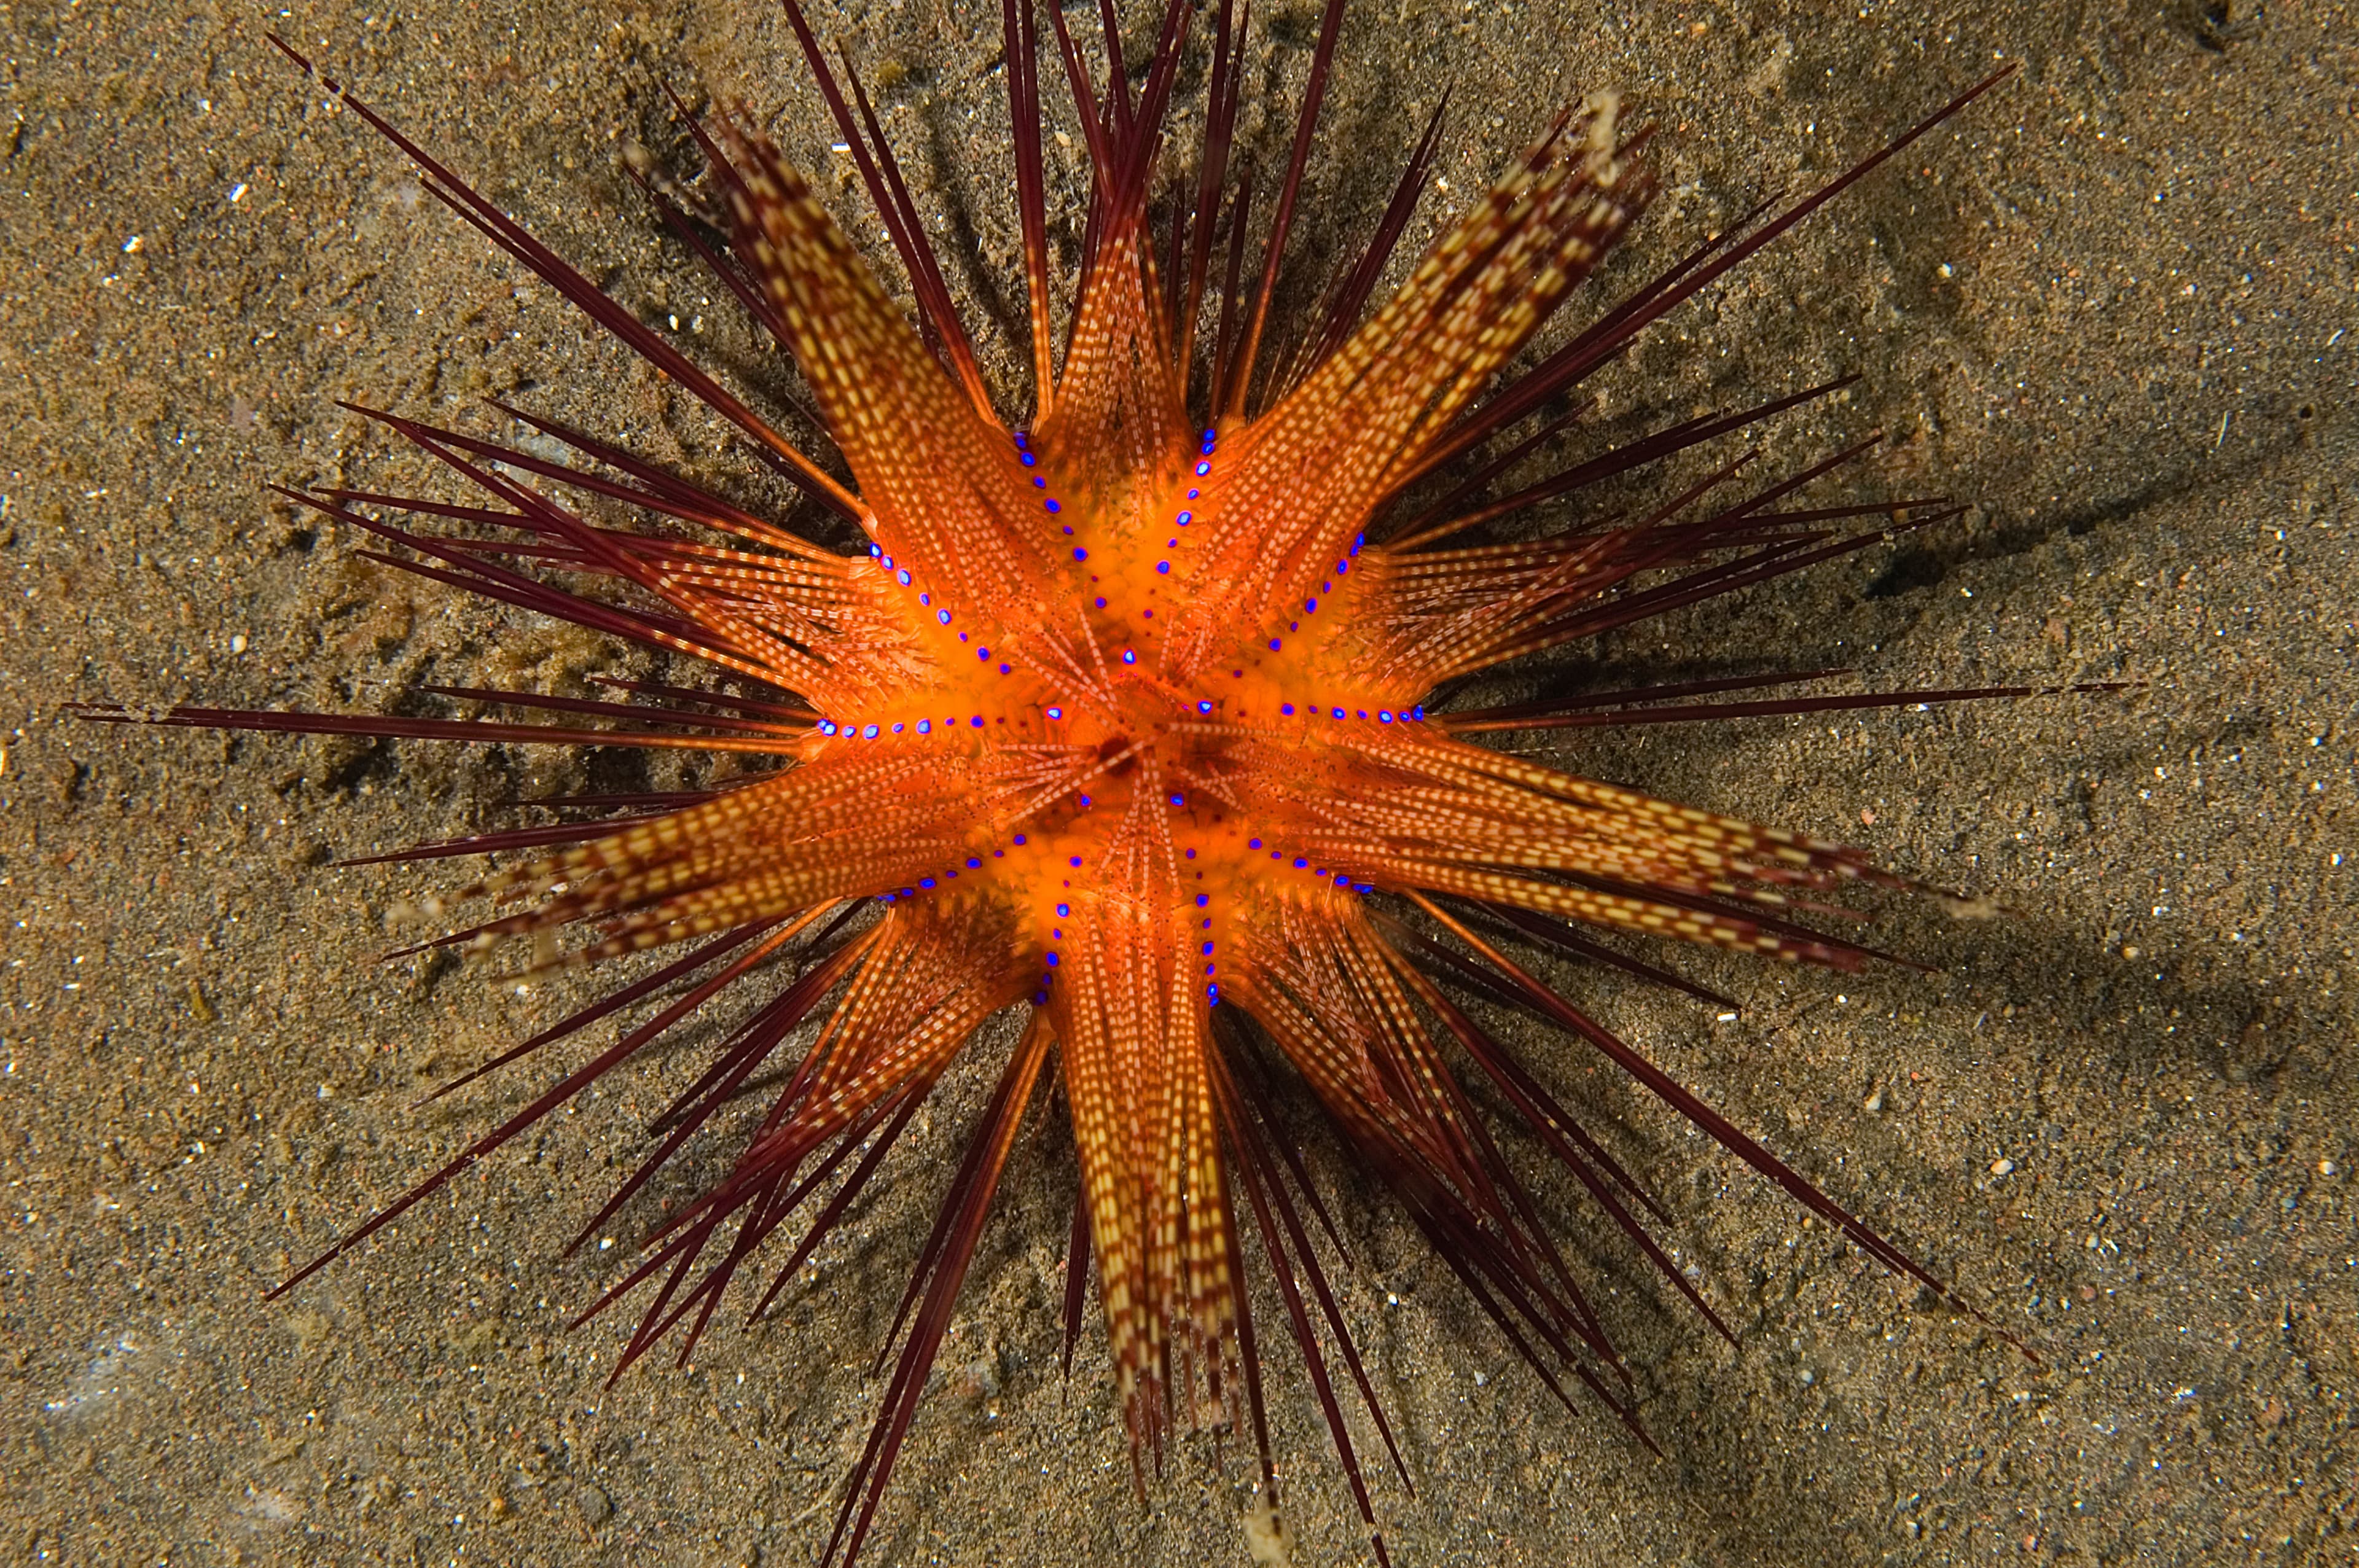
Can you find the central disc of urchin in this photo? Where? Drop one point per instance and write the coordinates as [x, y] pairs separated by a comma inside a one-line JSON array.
[[1138, 740], [1135, 730]]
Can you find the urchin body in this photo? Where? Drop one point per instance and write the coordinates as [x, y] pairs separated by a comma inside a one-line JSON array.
[[1121, 719]]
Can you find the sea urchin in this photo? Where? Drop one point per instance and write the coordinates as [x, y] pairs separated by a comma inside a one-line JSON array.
[[1127, 717]]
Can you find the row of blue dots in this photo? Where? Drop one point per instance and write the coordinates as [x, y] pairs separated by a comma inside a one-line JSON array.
[[1310, 606], [1186, 517], [1342, 881], [871, 731], [927, 885], [902, 576], [1040, 995], [1024, 455], [1064, 912], [1382, 715], [1211, 986], [1054, 958]]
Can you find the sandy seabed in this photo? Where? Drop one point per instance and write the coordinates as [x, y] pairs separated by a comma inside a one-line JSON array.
[[2110, 307]]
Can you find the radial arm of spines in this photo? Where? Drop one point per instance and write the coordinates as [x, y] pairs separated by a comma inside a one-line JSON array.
[[842, 826], [928, 978], [1438, 621], [940, 483], [1326, 989], [1130, 1019], [1286, 977], [1118, 412], [1410, 809], [1309, 473], [944, 967]]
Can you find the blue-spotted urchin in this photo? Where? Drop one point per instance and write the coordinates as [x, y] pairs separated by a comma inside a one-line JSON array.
[[1134, 715]]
